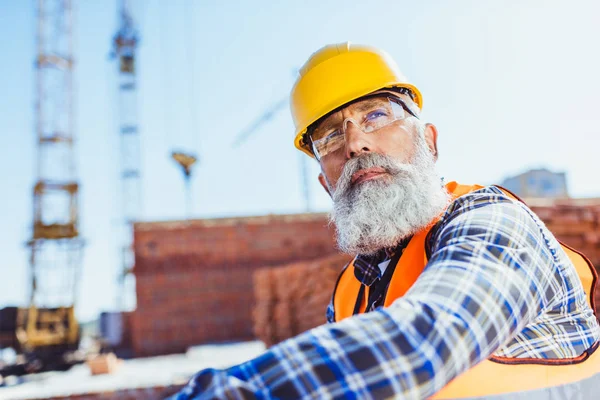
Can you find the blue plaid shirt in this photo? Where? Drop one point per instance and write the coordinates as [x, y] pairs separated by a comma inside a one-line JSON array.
[[497, 283]]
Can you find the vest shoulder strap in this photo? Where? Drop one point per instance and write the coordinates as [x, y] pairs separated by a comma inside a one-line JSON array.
[[345, 294]]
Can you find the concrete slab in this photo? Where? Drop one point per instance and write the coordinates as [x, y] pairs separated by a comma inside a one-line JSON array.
[[134, 373]]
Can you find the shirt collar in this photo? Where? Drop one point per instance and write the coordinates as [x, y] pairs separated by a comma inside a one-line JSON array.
[[366, 267]]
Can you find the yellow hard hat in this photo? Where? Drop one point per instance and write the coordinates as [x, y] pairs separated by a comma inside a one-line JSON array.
[[337, 74]]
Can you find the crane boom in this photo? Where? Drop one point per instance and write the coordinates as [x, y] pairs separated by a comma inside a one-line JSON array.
[[257, 124]]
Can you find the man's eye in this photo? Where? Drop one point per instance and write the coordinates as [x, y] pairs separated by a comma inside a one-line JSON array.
[[373, 115]]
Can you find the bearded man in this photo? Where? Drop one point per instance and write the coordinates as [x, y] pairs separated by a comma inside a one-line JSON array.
[[456, 291]]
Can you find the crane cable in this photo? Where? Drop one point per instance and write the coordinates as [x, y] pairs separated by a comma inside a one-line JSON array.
[[167, 109], [191, 52]]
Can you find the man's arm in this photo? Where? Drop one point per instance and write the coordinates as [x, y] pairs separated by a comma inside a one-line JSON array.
[[490, 273]]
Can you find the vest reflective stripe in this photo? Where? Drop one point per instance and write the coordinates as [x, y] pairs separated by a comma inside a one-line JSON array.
[[497, 375]]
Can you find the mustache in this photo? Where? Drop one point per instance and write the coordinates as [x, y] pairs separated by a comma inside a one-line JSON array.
[[368, 160]]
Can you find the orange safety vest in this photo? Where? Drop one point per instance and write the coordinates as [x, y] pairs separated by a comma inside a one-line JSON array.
[[498, 376]]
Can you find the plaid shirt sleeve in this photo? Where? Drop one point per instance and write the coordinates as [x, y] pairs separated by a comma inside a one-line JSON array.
[[489, 274]]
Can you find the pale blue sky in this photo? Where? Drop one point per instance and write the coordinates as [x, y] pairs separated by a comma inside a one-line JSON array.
[[510, 84]]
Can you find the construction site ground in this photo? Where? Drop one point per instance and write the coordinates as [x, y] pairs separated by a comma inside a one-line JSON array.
[[135, 378]]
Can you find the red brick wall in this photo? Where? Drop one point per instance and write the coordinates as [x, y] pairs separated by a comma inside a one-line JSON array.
[[194, 279]]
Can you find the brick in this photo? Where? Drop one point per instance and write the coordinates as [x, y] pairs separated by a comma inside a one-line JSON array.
[[104, 364]]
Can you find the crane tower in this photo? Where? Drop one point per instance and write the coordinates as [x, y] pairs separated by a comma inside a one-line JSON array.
[[47, 327], [125, 45]]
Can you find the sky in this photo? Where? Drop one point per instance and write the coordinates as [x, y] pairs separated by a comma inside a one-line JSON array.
[[511, 85]]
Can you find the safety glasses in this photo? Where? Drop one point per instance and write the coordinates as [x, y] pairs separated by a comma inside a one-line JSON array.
[[369, 114]]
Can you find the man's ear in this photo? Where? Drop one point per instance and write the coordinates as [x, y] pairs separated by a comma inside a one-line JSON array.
[[324, 183], [431, 134]]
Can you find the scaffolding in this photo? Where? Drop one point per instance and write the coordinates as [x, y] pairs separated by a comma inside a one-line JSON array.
[[55, 247]]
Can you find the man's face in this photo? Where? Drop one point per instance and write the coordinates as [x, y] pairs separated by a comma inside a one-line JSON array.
[[382, 181], [396, 140]]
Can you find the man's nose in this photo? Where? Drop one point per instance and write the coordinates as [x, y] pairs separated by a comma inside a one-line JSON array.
[[357, 142]]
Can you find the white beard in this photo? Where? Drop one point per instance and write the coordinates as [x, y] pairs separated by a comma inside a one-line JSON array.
[[379, 213]]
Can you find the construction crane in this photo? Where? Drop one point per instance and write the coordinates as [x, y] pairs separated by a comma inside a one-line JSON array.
[[46, 330], [257, 124], [125, 44]]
